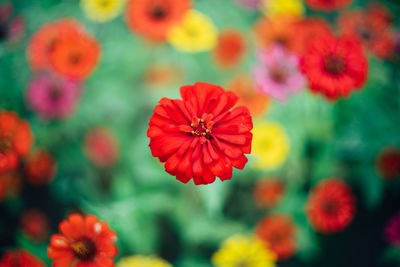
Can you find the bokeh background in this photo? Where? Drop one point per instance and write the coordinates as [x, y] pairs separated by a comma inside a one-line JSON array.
[[104, 165]]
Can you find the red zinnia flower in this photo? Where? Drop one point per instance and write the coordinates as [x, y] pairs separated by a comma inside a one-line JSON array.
[[200, 137], [388, 163], [83, 242], [230, 48], [330, 207], [35, 225], [154, 18], [268, 192], [15, 140], [75, 57], [44, 40], [101, 147], [40, 167], [20, 258], [328, 5], [335, 66], [370, 29], [279, 232]]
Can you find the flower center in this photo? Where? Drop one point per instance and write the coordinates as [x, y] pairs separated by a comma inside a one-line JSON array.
[[365, 34], [75, 58], [54, 93], [330, 207], [278, 75], [242, 263], [202, 126], [334, 64], [104, 3], [84, 249], [158, 12], [5, 144]]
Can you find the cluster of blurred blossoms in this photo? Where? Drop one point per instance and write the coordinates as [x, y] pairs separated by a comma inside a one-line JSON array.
[[202, 136]]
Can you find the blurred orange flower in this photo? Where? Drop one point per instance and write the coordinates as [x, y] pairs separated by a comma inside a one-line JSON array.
[[40, 167], [162, 74], [44, 40], [101, 147], [279, 232], [245, 89], [230, 48], [16, 139], [75, 57], [268, 192], [154, 18], [277, 30]]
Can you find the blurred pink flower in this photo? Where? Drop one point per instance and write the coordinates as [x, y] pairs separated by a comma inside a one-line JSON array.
[[250, 4], [392, 231], [53, 97], [277, 73], [11, 28]]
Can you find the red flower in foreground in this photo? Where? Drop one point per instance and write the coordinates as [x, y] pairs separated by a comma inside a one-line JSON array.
[[154, 18], [35, 225], [328, 5], [20, 258], [330, 207], [279, 232], [40, 167], [101, 147], [83, 242], [371, 29], [201, 136], [15, 140], [268, 192], [388, 163], [230, 48], [335, 66]]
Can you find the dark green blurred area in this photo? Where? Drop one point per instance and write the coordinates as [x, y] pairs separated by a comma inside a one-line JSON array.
[[152, 212]]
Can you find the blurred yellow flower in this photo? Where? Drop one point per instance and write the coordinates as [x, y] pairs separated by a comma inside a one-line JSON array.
[[239, 250], [142, 261], [286, 7], [102, 10], [270, 145], [196, 33]]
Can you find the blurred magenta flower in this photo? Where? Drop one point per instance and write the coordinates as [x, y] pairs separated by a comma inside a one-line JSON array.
[[277, 73], [101, 147], [11, 28], [392, 230], [53, 97]]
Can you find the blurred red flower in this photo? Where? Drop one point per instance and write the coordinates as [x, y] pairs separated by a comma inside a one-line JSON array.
[[15, 140], [268, 192], [279, 232], [163, 74], [307, 30], [335, 66], [101, 147], [331, 206], [242, 85], [230, 48], [388, 163], [45, 39], [40, 167], [10, 184], [20, 258], [154, 18], [35, 225], [86, 241], [75, 57], [200, 137], [371, 29], [328, 5], [11, 28]]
